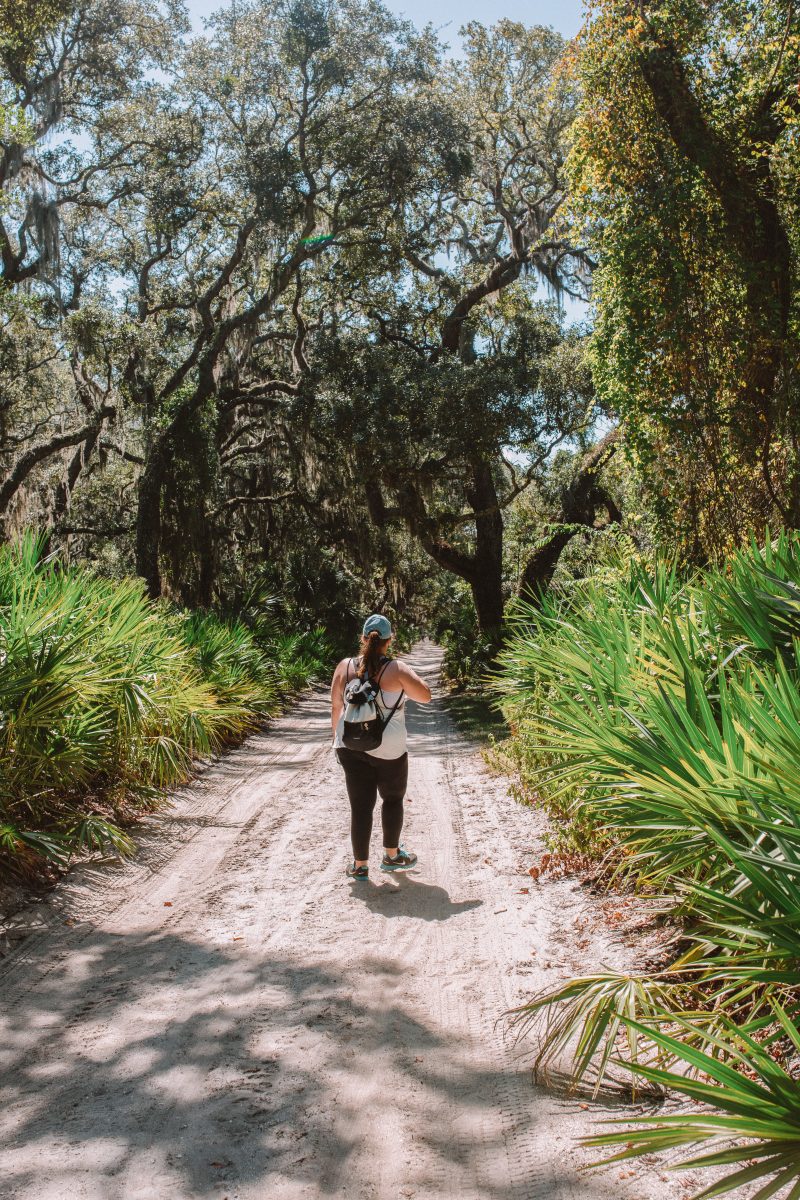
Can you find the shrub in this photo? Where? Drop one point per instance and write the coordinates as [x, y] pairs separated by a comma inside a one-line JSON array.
[[107, 698], [661, 716]]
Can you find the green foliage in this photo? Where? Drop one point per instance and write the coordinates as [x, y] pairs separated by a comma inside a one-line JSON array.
[[599, 1008], [309, 350], [662, 716], [107, 698], [230, 658], [684, 165], [468, 653], [297, 657], [759, 1101], [24, 23]]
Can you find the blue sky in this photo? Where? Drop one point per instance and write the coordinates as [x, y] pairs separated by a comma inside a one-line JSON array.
[[449, 15]]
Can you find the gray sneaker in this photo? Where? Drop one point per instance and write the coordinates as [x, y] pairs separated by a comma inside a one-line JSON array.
[[404, 860]]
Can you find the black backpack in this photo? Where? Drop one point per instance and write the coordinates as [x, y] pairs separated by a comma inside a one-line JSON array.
[[363, 723]]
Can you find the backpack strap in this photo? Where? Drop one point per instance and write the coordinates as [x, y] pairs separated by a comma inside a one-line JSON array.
[[380, 674], [395, 707], [399, 699]]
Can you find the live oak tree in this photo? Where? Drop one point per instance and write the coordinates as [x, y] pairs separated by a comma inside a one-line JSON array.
[[158, 234], [286, 309], [67, 72], [441, 446], [450, 386], [314, 126]]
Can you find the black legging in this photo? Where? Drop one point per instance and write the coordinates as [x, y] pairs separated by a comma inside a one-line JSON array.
[[366, 776]]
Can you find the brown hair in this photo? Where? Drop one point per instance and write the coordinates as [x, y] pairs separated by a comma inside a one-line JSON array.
[[373, 648]]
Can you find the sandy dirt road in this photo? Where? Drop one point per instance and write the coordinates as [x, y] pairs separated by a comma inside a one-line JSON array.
[[228, 1016]]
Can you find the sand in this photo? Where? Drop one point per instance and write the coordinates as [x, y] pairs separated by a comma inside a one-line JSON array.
[[228, 1016]]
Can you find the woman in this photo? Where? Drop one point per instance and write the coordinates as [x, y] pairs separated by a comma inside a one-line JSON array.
[[384, 769]]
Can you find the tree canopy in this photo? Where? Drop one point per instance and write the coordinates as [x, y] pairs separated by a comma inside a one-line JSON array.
[[281, 281], [282, 301]]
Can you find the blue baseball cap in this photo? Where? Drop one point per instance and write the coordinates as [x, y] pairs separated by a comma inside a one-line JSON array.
[[377, 624]]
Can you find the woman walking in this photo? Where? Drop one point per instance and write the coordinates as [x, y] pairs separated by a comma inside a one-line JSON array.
[[384, 768]]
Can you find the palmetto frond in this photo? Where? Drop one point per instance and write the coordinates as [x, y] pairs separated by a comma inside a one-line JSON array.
[[105, 696], [667, 712]]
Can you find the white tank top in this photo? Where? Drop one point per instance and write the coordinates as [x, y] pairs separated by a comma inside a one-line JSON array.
[[393, 744]]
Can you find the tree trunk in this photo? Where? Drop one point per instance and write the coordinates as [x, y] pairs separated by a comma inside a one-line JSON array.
[[487, 561], [748, 196], [77, 463], [483, 569], [487, 592], [578, 508], [148, 519], [207, 573], [540, 567]]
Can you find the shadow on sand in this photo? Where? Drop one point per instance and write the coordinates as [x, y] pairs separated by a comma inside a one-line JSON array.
[[404, 896]]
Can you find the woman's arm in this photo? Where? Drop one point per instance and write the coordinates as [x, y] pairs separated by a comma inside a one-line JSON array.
[[414, 687], [337, 694]]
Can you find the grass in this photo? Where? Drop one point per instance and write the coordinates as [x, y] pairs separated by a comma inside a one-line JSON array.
[[106, 699]]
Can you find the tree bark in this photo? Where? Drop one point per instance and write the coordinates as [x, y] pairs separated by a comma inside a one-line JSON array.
[[77, 463], [202, 359], [483, 569], [487, 580], [207, 575], [148, 519], [504, 272], [579, 505], [31, 458]]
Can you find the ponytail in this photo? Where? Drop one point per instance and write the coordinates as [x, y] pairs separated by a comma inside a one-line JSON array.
[[373, 649]]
